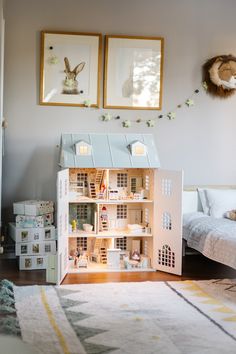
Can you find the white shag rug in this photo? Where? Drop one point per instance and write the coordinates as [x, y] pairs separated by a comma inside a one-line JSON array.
[[146, 317]]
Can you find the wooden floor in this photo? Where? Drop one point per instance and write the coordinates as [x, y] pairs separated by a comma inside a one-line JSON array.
[[194, 267]]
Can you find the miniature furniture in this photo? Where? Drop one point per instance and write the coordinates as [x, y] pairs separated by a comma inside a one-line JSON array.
[[114, 183], [113, 258]]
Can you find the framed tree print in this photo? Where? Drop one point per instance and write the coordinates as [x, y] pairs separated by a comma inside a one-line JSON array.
[[133, 72], [70, 68]]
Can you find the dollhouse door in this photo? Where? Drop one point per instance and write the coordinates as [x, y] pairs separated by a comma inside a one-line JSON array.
[[62, 223], [167, 231]]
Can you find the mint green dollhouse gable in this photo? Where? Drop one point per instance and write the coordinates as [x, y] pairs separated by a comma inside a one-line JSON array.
[[108, 151]]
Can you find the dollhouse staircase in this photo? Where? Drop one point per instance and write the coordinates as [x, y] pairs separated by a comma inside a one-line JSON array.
[[104, 225], [100, 249], [99, 177], [92, 190], [95, 184], [103, 251], [103, 255]]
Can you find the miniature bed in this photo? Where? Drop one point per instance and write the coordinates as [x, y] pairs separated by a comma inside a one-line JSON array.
[[205, 227]]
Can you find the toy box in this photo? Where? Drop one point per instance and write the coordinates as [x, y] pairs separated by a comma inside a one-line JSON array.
[[35, 248], [33, 262], [32, 234], [33, 207], [27, 221]]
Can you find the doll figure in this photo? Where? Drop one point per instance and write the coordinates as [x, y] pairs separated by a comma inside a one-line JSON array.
[[135, 256], [77, 254]]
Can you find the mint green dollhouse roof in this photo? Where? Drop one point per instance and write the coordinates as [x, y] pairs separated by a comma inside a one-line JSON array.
[[108, 151]]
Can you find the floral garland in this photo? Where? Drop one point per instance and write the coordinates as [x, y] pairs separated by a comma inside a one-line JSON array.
[[127, 123], [170, 115]]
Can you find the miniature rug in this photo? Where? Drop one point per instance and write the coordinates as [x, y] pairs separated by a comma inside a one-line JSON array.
[[146, 317]]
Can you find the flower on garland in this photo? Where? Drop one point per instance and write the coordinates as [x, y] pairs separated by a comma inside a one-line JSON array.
[[189, 102], [204, 85], [106, 117], [53, 59], [87, 103], [150, 123], [126, 123], [171, 115]]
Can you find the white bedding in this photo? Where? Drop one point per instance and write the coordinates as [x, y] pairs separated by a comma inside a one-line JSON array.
[[214, 238]]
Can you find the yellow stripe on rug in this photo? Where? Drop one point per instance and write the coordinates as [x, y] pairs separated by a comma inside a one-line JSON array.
[[211, 302], [224, 309], [197, 291], [230, 319], [53, 322]]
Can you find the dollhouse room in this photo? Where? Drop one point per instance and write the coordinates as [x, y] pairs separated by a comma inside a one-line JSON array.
[[118, 181]]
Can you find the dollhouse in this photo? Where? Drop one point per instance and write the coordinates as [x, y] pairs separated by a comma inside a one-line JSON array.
[[117, 210]]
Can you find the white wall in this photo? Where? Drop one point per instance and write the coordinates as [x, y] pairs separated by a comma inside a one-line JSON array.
[[201, 140], [2, 30]]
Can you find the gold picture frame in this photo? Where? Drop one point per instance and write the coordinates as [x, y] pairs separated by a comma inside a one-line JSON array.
[[70, 68], [133, 72]]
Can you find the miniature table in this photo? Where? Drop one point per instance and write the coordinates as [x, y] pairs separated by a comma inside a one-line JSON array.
[[113, 258]]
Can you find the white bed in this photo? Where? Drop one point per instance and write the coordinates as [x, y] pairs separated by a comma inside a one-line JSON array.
[[214, 237]]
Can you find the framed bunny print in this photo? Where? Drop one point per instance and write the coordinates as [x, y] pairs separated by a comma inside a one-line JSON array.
[[70, 68], [133, 72]]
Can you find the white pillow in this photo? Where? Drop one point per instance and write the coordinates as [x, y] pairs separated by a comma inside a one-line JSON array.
[[204, 201], [220, 201]]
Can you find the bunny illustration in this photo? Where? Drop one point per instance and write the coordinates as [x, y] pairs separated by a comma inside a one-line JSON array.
[[70, 84]]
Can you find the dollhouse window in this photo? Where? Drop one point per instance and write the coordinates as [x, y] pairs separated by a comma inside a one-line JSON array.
[[121, 243], [121, 211], [83, 148], [82, 243], [166, 257], [166, 187], [122, 180], [138, 148], [145, 247], [166, 221], [133, 184], [82, 211], [147, 182], [82, 179], [146, 216]]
